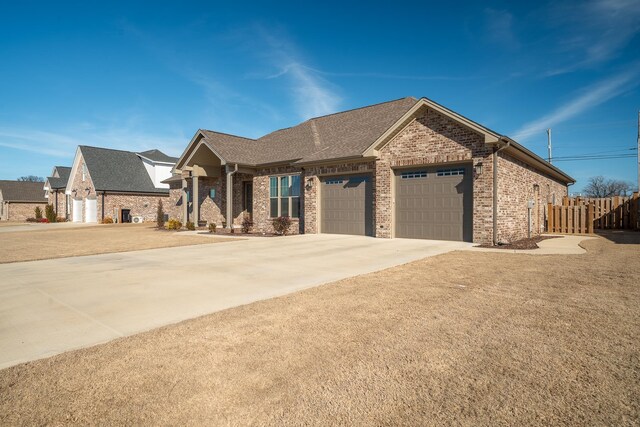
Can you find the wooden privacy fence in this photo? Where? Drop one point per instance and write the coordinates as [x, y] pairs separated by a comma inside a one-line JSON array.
[[582, 215]]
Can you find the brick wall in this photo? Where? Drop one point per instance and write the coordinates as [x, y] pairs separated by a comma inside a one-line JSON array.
[[16, 211], [139, 205], [80, 189], [516, 182], [261, 203], [429, 140], [62, 205]]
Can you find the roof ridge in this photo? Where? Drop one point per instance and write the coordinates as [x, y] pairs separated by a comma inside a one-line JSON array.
[[358, 108], [228, 134], [108, 149]]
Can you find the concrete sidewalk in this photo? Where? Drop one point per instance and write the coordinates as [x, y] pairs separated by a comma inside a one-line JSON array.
[[564, 245], [49, 307]]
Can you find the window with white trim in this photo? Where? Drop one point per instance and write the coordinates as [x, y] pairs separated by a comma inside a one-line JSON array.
[[84, 172], [450, 172], [284, 196]]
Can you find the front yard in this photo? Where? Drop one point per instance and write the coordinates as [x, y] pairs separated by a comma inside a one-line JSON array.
[[89, 240], [465, 338]]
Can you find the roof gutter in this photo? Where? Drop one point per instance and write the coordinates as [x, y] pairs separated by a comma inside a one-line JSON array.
[[507, 144]]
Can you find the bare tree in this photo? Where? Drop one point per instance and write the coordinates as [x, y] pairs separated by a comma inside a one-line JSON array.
[[31, 178], [599, 186]]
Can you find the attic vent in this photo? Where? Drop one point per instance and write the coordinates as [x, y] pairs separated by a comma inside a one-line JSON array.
[[316, 135]]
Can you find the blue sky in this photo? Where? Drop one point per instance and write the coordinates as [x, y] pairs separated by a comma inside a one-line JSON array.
[[135, 75]]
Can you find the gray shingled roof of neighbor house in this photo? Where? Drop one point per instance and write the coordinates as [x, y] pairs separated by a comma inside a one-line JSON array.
[[117, 170], [335, 136], [61, 181], [22, 191], [158, 156]]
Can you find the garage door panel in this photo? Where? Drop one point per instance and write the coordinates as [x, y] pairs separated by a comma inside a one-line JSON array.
[[434, 203], [347, 205]]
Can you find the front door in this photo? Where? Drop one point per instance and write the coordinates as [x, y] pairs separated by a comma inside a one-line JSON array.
[[126, 215], [247, 197]]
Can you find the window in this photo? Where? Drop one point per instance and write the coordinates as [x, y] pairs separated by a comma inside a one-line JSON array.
[[450, 172], [413, 174], [284, 196], [84, 172]]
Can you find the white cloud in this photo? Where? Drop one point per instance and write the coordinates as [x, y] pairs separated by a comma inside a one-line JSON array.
[[589, 97], [499, 28], [312, 94]]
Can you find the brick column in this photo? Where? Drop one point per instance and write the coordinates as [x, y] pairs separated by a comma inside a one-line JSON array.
[[185, 201]]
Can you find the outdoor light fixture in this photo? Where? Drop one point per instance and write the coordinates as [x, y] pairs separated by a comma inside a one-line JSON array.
[[536, 187], [478, 169], [309, 184], [88, 190]]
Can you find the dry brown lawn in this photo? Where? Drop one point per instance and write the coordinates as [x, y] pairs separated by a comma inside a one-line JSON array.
[[12, 224], [466, 338], [90, 240]]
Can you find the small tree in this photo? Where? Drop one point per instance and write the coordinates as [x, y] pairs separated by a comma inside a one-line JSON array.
[[160, 215], [49, 213], [281, 225], [38, 212]]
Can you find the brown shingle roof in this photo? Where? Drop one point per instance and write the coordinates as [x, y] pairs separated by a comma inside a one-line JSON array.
[[334, 136], [22, 191]]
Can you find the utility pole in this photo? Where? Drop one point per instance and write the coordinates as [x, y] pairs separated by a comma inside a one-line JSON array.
[[549, 143]]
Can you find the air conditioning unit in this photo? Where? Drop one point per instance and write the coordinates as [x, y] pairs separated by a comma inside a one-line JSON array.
[[138, 219]]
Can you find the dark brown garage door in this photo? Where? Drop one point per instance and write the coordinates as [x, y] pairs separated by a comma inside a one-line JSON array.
[[434, 203], [346, 205]]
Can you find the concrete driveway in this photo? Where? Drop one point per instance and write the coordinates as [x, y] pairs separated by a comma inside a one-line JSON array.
[[49, 307]]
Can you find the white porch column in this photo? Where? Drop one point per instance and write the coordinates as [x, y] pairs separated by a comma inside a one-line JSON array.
[[230, 172], [196, 196], [185, 201]]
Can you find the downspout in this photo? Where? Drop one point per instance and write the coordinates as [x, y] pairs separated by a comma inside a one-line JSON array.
[[495, 189], [103, 206], [230, 195], [56, 203]]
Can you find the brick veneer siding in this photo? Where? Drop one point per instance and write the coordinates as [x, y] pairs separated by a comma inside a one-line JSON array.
[[261, 199], [79, 188], [516, 182], [61, 205], [20, 211], [433, 139]]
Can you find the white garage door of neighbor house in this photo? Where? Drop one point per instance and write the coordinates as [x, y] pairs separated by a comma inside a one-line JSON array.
[[77, 210], [91, 210]]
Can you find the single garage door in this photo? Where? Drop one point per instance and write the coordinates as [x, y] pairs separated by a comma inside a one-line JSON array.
[[435, 203], [347, 205], [77, 210]]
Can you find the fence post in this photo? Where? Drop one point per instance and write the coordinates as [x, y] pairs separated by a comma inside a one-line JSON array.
[[590, 213]]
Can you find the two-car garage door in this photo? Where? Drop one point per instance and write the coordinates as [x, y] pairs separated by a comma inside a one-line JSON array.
[[430, 203], [434, 203]]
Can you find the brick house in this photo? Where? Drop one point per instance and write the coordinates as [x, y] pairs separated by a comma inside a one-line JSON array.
[[407, 168], [19, 199], [122, 185], [55, 187]]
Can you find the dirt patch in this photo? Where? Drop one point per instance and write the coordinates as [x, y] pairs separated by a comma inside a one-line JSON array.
[[65, 242], [530, 243], [465, 338]]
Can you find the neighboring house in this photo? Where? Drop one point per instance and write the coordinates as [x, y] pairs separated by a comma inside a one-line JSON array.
[[55, 188], [19, 199], [123, 185], [406, 168]]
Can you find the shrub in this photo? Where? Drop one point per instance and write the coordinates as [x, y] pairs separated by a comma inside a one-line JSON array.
[[173, 224], [212, 227], [247, 224], [61, 219], [281, 225], [43, 220], [38, 212], [160, 215], [190, 226], [107, 220], [32, 220], [49, 213]]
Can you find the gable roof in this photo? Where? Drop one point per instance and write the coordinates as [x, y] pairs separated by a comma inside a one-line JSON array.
[[22, 191], [351, 134], [157, 156], [117, 170], [59, 181]]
